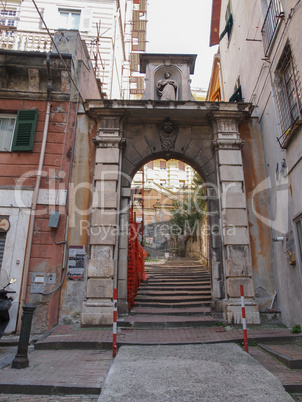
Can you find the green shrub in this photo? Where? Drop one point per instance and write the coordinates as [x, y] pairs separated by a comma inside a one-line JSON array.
[[296, 329]]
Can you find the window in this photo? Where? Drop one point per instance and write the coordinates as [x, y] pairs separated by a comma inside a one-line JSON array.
[[162, 165], [272, 20], [9, 18], [7, 127], [69, 19], [299, 232], [228, 22], [288, 92], [17, 133], [150, 165], [181, 166]]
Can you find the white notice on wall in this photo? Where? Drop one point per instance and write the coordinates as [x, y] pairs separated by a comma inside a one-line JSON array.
[[52, 196]]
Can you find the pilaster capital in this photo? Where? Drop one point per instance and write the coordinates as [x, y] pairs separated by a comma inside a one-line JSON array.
[[101, 141], [227, 143]]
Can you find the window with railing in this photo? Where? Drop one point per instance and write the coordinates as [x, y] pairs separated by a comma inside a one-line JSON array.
[[288, 95], [271, 24]]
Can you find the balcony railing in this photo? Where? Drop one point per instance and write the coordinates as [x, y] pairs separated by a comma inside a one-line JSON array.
[[12, 39], [271, 24]]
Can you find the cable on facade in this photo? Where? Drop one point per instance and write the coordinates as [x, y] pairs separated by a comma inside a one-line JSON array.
[[64, 265]]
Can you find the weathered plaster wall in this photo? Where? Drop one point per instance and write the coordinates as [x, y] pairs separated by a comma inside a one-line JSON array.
[[81, 191], [197, 246], [279, 201], [260, 234]]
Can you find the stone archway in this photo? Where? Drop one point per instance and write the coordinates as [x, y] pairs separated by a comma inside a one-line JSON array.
[[203, 134]]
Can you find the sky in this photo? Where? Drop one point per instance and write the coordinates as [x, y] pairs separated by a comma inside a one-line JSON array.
[[182, 26]]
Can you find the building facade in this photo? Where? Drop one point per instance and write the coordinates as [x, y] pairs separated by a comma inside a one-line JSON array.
[[39, 103], [259, 61], [114, 32]]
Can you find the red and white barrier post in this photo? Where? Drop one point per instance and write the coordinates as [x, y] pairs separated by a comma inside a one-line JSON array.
[[114, 346], [246, 347]]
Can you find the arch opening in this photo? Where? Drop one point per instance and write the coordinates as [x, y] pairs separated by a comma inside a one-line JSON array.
[[169, 238]]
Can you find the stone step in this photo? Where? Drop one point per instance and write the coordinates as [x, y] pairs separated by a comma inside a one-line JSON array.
[[173, 298], [176, 271], [174, 277], [171, 305], [185, 292], [288, 354], [200, 279], [176, 288], [165, 321], [178, 282], [175, 267], [177, 294], [171, 311]]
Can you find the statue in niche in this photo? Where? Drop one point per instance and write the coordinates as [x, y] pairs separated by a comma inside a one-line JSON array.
[[167, 88]]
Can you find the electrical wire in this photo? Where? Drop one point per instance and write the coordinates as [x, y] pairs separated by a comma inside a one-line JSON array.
[[64, 265], [59, 53]]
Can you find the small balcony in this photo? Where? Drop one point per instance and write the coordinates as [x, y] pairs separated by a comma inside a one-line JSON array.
[[271, 25], [11, 39]]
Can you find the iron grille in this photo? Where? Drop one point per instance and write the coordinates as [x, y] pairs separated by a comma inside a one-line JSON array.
[[271, 24], [289, 95]]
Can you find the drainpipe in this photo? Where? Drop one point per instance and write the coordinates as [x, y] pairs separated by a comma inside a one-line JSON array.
[[35, 196], [221, 82], [113, 54]]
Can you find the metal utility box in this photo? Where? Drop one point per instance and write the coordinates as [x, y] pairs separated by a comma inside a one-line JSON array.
[[54, 219]]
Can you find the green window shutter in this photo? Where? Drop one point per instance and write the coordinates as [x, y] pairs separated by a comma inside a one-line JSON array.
[[25, 130], [228, 28], [237, 95]]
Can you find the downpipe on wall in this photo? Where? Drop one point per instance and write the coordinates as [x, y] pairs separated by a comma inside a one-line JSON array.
[[35, 197]]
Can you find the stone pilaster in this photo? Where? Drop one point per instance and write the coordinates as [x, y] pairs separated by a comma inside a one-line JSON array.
[[234, 222], [104, 229]]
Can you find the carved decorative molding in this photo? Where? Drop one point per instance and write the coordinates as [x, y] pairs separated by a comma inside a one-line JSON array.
[[109, 142], [227, 143], [167, 133]]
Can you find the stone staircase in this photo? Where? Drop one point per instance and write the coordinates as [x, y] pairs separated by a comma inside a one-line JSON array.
[[176, 294]]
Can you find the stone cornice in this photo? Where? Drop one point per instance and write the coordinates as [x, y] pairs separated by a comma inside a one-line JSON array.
[[200, 110], [34, 96]]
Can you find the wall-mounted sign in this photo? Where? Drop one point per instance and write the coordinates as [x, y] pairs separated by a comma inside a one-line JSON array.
[[4, 224], [76, 262], [40, 279], [52, 197]]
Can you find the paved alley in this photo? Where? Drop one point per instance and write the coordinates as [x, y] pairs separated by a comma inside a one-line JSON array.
[[188, 373]]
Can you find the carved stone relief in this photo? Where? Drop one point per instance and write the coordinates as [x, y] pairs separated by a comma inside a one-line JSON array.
[[167, 134]]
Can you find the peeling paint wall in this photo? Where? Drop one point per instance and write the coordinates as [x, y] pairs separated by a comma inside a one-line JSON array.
[[260, 234], [74, 291]]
